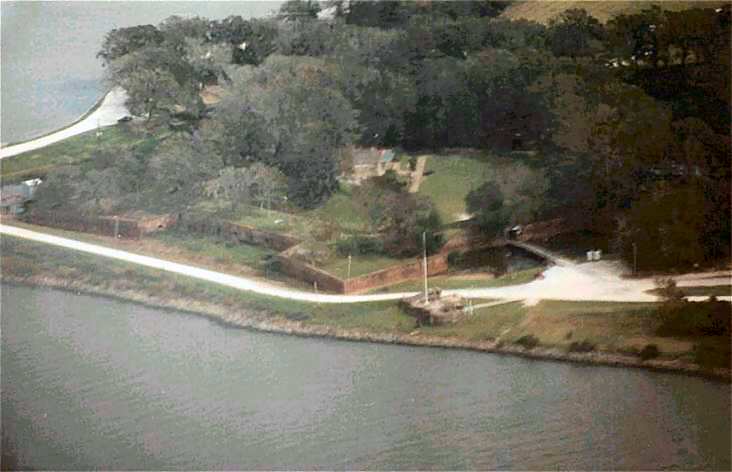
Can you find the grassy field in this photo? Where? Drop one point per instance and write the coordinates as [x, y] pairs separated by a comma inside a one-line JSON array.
[[542, 12], [458, 281], [23, 259], [199, 251], [73, 150], [453, 176], [360, 265], [342, 209], [238, 254]]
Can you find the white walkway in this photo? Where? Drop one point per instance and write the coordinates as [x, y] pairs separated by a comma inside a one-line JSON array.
[[109, 111], [599, 281]]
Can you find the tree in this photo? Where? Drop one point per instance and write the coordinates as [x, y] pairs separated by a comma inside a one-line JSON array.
[[633, 137], [233, 186], [179, 167], [487, 204], [122, 41], [405, 218], [177, 31], [269, 184], [575, 33], [60, 188], [157, 80], [246, 185], [666, 228], [299, 10], [304, 122], [208, 61]]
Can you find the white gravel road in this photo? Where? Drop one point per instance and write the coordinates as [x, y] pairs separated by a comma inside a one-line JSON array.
[[596, 281], [109, 111]]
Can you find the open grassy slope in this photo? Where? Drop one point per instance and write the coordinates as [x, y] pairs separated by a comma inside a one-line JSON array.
[[541, 11]]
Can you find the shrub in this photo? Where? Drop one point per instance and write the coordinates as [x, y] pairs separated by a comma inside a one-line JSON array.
[[583, 346], [454, 258], [298, 316], [650, 351], [528, 341], [681, 318], [713, 352], [668, 290], [359, 245]]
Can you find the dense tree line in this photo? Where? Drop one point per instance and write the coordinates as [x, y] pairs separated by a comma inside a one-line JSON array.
[[629, 120]]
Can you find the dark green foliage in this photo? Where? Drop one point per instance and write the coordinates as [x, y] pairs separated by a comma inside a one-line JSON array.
[[649, 351], [681, 318], [122, 41], [582, 346], [713, 352], [299, 10], [486, 202], [629, 121], [667, 228], [297, 316], [359, 245], [528, 341], [574, 33]]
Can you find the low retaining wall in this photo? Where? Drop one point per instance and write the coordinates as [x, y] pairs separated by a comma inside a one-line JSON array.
[[237, 233], [103, 225], [301, 270], [391, 275]]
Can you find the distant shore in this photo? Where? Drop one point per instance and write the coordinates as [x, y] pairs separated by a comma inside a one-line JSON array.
[[249, 320], [105, 112]]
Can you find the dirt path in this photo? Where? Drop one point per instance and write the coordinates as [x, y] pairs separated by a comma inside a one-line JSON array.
[[418, 174], [109, 111]]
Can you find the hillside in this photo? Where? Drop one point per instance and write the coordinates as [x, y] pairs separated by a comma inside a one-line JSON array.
[[542, 11]]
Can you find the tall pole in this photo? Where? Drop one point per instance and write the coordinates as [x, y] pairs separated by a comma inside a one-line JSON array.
[[424, 252], [635, 259], [348, 279]]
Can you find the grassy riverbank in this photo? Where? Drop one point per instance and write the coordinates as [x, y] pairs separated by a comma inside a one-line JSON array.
[[603, 333]]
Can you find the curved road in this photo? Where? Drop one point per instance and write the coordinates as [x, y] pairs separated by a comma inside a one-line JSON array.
[[109, 111], [583, 282]]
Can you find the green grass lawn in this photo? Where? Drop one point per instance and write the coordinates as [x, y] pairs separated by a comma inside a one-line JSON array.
[[452, 178], [361, 265], [73, 150], [219, 251], [454, 282], [611, 326], [342, 209]]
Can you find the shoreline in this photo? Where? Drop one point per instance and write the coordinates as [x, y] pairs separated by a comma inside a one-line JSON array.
[[82, 117], [110, 107], [274, 324]]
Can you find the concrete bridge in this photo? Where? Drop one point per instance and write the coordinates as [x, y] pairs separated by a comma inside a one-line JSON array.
[[540, 252]]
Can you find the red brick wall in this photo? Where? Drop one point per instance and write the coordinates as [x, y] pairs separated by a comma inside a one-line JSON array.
[[413, 270], [103, 225], [237, 233], [307, 273]]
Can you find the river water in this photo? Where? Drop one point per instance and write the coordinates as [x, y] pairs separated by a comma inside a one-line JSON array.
[[90, 382], [50, 73]]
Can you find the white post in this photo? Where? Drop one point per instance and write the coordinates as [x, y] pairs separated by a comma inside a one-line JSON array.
[[424, 248], [348, 279]]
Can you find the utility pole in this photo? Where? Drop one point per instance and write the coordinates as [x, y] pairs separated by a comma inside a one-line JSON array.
[[424, 252], [635, 259], [348, 279]]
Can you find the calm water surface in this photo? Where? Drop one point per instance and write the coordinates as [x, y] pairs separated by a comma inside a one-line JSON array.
[[50, 73], [94, 383]]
